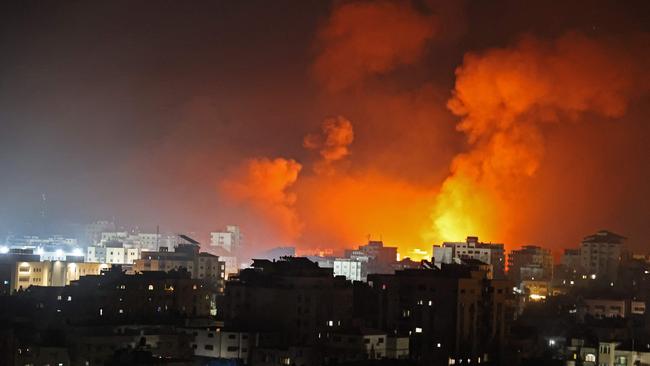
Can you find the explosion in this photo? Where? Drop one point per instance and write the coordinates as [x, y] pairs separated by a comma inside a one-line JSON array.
[[504, 97], [507, 100]]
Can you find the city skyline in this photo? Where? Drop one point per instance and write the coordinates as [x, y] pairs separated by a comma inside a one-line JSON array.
[[289, 122]]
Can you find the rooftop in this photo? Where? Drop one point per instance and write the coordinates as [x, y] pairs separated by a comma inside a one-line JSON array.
[[604, 236]]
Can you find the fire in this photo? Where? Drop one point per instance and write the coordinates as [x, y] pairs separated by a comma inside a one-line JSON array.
[[505, 99], [463, 207]]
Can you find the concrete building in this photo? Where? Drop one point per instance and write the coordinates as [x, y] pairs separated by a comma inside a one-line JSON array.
[[293, 298], [604, 354], [112, 253], [229, 240], [379, 258], [600, 254], [93, 232], [200, 265], [612, 307], [451, 313], [219, 343], [490, 253], [114, 297], [349, 345], [530, 263], [48, 273], [353, 270], [137, 240]]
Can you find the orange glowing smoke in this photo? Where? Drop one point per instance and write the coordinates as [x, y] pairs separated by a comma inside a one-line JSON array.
[[264, 185], [332, 144], [366, 38], [358, 185], [505, 97]]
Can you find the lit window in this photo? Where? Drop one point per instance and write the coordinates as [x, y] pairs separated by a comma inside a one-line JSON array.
[[418, 330], [150, 287]]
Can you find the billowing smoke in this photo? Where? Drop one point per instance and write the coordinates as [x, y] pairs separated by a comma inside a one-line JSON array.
[[388, 165], [362, 39], [505, 98], [332, 144], [263, 186]]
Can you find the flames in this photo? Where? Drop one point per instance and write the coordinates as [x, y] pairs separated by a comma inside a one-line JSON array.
[[505, 100]]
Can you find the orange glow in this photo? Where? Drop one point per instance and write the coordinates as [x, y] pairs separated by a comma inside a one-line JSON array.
[[506, 99]]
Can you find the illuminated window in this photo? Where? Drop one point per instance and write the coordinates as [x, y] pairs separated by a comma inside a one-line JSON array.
[[150, 287], [418, 330], [590, 357]]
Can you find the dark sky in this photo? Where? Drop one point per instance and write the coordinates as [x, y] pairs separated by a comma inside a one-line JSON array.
[[135, 110]]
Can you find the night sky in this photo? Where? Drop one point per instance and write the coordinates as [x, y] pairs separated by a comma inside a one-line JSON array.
[[194, 114]]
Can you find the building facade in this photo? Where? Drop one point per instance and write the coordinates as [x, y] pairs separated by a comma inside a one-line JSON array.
[[490, 253]]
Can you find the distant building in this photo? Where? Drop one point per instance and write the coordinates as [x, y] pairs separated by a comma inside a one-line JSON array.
[[451, 313], [612, 307], [38, 241], [530, 263], [114, 297], [353, 270], [93, 232], [229, 240], [359, 344], [489, 253], [600, 254], [137, 240], [293, 298], [200, 265], [572, 259], [19, 272], [580, 352], [112, 253], [277, 253], [380, 258], [222, 344]]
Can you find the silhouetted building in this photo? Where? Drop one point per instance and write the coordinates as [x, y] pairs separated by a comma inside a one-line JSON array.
[[202, 266], [451, 313], [380, 258], [601, 254], [292, 297], [530, 263]]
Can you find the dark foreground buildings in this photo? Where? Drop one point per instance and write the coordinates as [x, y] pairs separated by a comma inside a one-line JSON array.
[[429, 315], [285, 312], [290, 311]]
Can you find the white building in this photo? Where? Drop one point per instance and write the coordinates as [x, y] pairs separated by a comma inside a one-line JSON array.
[[112, 254], [50, 273], [229, 240], [353, 270], [217, 343], [450, 252], [603, 354]]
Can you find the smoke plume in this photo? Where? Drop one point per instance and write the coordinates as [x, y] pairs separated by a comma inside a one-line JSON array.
[[505, 97], [332, 144], [362, 39], [264, 187]]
